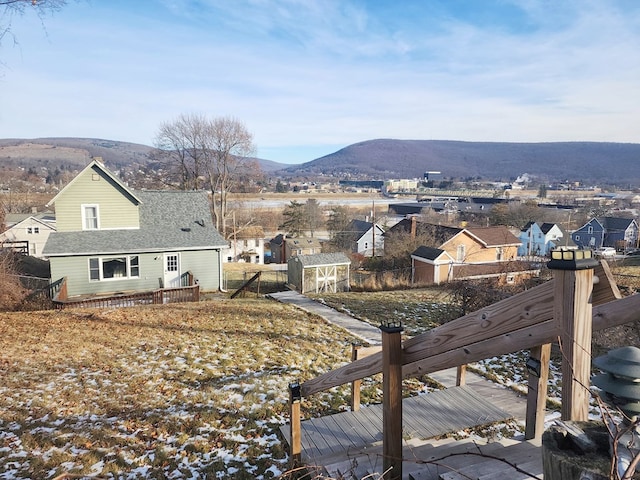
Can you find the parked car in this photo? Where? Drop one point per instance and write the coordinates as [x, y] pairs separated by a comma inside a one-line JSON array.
[[605, 252], [633, 253]]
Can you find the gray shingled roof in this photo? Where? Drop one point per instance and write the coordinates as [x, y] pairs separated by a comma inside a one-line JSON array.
[[169, 220], [428, 253], [323, 259]]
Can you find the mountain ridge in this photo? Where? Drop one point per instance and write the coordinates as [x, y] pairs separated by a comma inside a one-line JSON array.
[[389, 158], [380, 159]]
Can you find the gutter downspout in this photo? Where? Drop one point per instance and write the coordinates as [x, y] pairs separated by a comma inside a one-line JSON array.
[[220, 271]]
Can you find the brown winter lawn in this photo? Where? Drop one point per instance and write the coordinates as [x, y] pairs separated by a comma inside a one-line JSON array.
[[184, 391]]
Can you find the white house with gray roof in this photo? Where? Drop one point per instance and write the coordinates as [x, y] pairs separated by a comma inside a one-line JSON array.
[[112, 239], [31, 230]]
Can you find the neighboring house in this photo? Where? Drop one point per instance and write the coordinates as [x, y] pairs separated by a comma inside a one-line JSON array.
[[431, 265], [539, 240], [465, 253], [284, 247], [111, 238], [246, 246], [365, 238], [619, 233], [32, 231], [319, 273], [437, 234]]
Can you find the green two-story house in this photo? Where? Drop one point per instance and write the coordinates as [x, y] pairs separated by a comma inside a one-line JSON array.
[[112, 239]]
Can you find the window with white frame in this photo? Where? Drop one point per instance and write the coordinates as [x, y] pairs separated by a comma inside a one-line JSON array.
[[114, 268], [460, 253], [90, 217]]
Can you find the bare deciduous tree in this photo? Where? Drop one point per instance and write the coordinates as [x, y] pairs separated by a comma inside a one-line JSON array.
[[210, 153], [10, 8], [231, 144]]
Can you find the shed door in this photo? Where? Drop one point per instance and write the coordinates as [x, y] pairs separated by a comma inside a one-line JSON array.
[[326, 279], [171, 270]]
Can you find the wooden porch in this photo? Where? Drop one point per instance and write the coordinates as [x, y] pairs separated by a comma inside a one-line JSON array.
[[188, 292], [343, 436]]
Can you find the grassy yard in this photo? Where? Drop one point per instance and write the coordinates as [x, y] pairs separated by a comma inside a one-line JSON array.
[[185, 390], [175, 391], [418, 309]]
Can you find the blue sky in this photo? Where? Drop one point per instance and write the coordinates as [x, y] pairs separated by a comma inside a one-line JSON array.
[[309, 77]]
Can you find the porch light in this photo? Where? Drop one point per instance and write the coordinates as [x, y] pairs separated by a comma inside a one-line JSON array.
[[565, 259], [621, 380], [294, 392], [620, 385], [391, 326], [534, 366]]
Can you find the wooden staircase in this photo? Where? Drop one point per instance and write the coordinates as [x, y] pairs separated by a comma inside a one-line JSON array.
[[449, 459]]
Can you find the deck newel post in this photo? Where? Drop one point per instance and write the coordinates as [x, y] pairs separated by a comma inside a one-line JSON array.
[[573, 276], [538, 369], [392, 399], [356, 384], [294, 422]]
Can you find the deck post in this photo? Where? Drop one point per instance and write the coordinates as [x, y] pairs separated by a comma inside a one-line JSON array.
[[538, 368], [573, 276], [356, 384], [461, 375], [294, 423], [392, 399]]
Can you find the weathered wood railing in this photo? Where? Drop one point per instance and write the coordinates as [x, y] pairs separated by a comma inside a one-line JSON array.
[[187, 293], [58, 290], [524, 321], [160, 296]]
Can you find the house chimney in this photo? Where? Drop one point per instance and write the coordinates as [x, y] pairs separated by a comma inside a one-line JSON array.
[[413, 227]]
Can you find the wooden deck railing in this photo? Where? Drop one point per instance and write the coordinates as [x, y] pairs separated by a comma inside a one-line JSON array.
[[189, 292], [58, 290], [524, 321]]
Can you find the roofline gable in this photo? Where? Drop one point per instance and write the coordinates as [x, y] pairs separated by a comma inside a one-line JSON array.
[[44, 224], [103, 169]]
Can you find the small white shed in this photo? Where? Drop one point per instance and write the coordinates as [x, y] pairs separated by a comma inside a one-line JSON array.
[[320, 272]]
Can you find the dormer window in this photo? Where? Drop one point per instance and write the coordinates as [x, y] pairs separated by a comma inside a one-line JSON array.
[[90, 217]]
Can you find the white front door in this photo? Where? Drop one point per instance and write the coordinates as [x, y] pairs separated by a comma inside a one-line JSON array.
[[171, 270]]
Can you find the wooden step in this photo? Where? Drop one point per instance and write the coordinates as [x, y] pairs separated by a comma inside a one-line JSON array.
[[370, 464], [431, 464], [478, 467], [533, 468]]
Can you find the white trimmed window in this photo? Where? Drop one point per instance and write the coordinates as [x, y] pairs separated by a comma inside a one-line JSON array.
[[461, 252], [114, 268], [90, 217]]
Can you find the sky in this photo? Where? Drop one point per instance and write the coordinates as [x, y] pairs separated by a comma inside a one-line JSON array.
[[308, 77]]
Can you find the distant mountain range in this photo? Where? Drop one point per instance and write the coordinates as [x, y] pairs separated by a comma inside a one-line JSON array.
[[592, 162]]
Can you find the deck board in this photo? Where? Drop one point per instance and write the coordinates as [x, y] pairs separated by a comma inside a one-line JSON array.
[[424, 416]]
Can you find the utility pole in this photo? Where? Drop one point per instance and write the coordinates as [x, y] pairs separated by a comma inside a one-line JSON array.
[[373, 222]]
